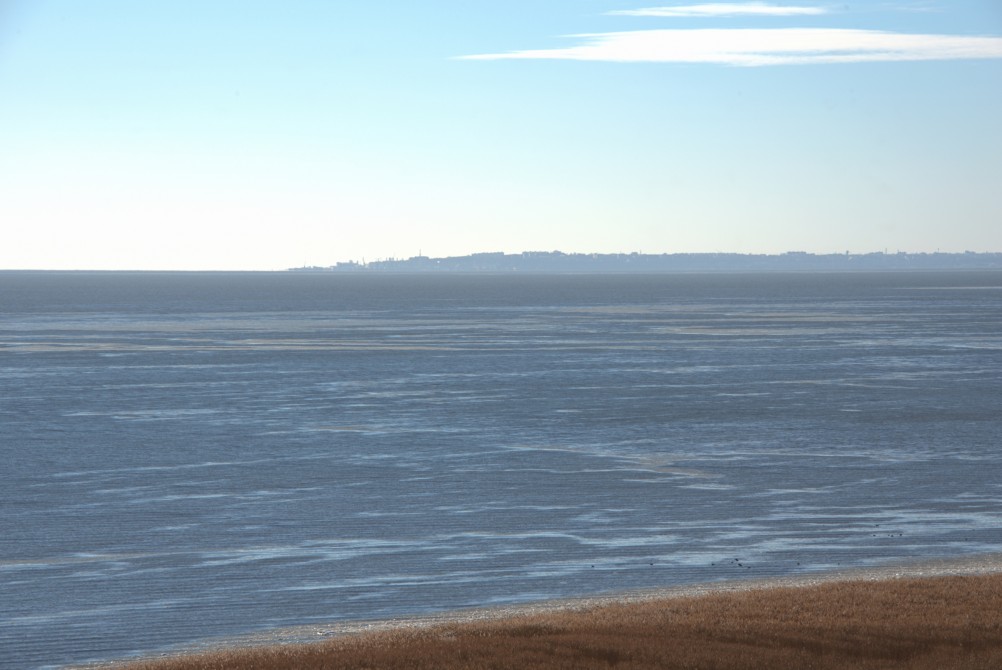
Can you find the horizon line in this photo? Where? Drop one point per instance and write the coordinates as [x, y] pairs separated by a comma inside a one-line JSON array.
[[552, 252]]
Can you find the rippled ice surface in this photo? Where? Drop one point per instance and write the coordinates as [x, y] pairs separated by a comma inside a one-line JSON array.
[[189, 456]]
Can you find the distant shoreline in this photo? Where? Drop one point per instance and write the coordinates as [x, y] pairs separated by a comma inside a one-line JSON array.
[[936, 576], [531, 263], [636, 263]]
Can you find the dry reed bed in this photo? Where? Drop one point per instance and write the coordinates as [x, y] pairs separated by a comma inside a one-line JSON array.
[[931, 623]]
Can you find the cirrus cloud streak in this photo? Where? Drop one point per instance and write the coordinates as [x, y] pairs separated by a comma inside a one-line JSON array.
[[722, 9], [758, 47]]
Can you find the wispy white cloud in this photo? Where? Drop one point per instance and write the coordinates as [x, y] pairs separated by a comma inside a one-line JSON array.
[[754, 47], [723, 9]]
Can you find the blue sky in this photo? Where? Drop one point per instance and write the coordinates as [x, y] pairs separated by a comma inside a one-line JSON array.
[[265, 135]]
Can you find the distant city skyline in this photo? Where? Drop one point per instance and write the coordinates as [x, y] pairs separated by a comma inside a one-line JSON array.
[[255, 135]]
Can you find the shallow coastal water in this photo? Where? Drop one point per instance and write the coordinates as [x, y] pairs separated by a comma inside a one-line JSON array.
[[190, 456]]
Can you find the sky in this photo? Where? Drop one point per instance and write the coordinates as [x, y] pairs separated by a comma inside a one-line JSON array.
[[252, 135]]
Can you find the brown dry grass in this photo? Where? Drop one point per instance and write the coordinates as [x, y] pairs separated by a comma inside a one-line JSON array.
[[938, 623]]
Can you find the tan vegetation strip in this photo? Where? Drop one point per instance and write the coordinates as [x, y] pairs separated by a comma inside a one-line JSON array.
[[931, 615]]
